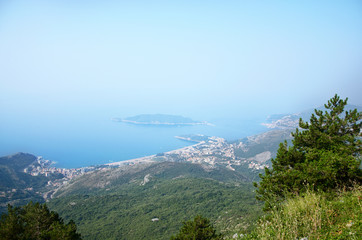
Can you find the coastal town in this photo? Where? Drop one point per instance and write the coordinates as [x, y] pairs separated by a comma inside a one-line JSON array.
[[57, 177], [208, 151], [216, 151]]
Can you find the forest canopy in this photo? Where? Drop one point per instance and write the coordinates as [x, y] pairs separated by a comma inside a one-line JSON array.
[[34, 221]]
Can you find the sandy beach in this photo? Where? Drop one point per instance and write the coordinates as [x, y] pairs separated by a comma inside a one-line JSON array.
[[146, 159], [149, 159]]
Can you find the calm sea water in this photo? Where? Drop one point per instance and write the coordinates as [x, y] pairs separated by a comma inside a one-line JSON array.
[[84, 142]]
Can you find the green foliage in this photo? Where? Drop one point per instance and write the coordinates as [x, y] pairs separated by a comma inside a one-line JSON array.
[[126, 211], [33, 222], [314, 216], [198, 229], [325, 156]]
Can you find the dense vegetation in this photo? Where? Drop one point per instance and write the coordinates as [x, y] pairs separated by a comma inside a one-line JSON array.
[[200, 228], [35, 222], [126, 211], [325, 156], [314, 216]]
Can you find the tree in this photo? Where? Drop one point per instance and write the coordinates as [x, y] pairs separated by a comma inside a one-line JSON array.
[[198, 229], [33, 222], [325, 156]]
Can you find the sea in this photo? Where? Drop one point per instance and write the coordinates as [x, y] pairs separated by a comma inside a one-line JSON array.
[[86, 142]]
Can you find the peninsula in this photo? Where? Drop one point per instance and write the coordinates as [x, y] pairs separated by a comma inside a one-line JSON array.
[[160, 119]]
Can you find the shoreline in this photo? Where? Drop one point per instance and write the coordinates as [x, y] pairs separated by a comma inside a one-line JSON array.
[[149, 159], [144, 159]]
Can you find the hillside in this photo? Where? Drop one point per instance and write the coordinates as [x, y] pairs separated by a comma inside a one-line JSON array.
[[130, 197], [248, 156], [109, 178], [314, 216], [261, 143], [25, 177], [16, 186]]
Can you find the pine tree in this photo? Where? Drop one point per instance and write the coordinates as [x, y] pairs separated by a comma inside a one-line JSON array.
[[35, 222], [325, 155], [198, 229]]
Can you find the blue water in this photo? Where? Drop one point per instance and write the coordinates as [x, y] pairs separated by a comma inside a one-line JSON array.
[[84, 142]]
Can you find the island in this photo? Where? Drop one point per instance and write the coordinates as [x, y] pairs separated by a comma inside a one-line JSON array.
[[160, 119]]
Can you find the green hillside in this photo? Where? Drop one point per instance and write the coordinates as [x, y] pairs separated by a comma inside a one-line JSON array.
[[111, 179], [115, 204], [17, 187]]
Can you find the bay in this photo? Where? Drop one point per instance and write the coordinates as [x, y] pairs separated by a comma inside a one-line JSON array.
[[81, 142]]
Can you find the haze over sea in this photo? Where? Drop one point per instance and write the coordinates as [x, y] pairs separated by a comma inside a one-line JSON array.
[[68, 67]]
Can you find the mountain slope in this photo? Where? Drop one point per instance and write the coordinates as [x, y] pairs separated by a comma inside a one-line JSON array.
[[17, 185], [121, 203], [140, 174], [264, 142]]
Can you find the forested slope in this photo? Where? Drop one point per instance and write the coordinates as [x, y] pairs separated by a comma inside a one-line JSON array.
[[117, 204]]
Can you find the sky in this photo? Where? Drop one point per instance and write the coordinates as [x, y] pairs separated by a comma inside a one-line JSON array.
[[199, 59]]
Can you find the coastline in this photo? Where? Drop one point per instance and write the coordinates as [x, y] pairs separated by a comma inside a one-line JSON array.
[[146, 159], [187, 139], [149, 159]]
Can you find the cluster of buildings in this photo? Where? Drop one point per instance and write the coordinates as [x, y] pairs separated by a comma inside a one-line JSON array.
[[60, 175], [286, 122], [257, 166], [213, 151]]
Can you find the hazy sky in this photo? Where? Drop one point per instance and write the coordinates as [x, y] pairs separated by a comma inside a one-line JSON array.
[[194, 58]]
